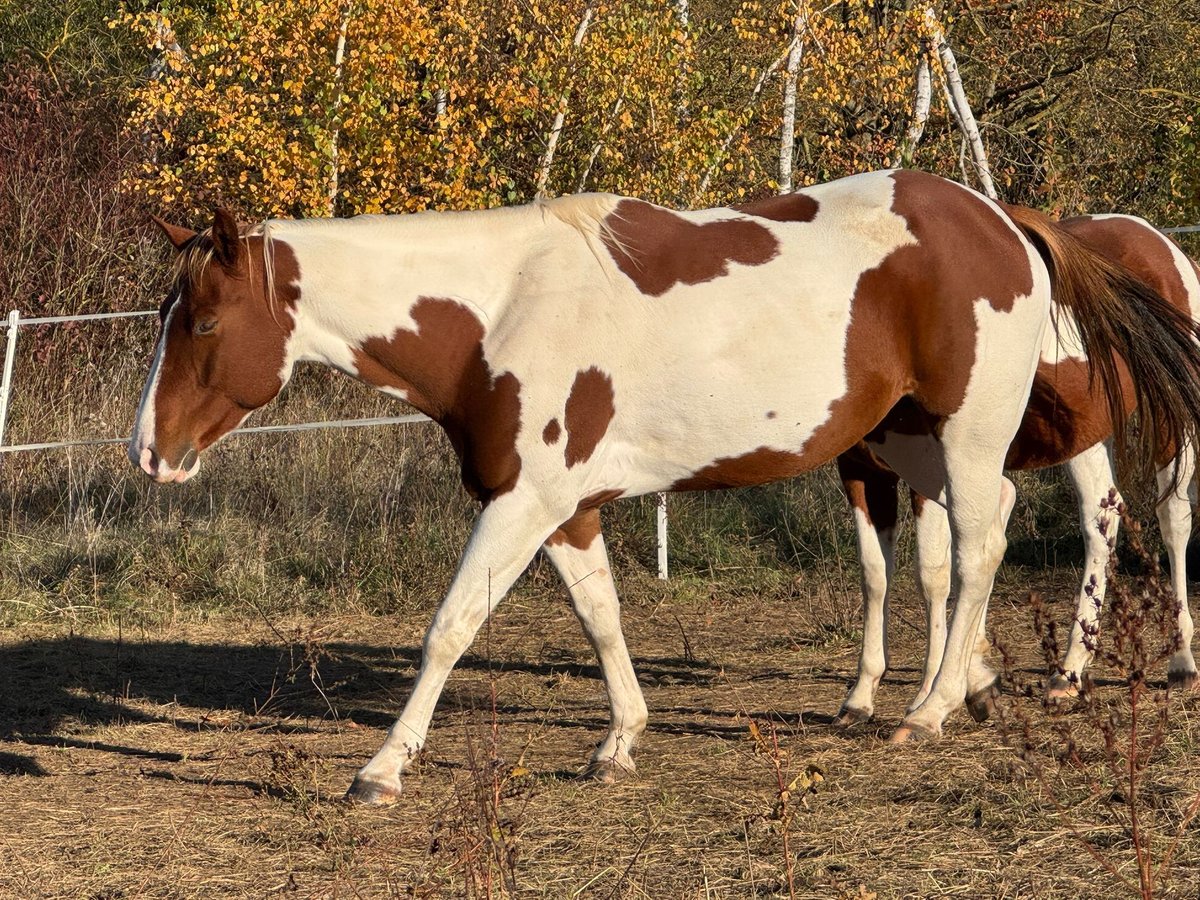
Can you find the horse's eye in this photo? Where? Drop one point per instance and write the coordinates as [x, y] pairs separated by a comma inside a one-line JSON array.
[[205, 326]]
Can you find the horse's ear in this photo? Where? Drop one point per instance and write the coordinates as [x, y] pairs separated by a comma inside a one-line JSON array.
[[227, 246], [176, 234]]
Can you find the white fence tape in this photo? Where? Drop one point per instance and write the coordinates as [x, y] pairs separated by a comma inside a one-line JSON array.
[[14, 323]]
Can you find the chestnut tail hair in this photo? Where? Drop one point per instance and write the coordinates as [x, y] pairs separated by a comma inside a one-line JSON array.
[[1122, 319]]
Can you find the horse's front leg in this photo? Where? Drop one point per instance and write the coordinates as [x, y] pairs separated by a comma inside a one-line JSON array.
[[506, 536], [578, 553]]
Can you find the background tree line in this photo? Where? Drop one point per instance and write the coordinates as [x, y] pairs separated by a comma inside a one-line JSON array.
[[313, 107]]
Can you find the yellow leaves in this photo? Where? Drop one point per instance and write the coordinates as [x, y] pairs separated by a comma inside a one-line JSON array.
[[449, 104]]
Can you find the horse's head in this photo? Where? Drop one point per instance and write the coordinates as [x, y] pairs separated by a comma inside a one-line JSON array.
[[222, 348]]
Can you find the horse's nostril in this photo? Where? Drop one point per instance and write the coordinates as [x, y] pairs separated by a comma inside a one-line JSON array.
[[149, 461]]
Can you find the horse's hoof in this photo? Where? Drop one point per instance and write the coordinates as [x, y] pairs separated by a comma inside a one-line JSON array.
[[607, 771], [372, 793], [911, 731], [982, 703], [1182, 681], [852, 716], [1061, 688]]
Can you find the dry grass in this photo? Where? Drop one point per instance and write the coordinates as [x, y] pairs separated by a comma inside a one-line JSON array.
[[206, 759]]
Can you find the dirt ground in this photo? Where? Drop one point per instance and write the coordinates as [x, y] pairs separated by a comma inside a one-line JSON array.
[[208, 760]]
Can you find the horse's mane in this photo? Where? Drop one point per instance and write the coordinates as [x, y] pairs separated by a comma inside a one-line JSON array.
[[589, 215], [197, 255]]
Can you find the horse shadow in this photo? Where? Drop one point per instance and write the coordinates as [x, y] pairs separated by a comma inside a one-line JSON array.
[[54, 687]]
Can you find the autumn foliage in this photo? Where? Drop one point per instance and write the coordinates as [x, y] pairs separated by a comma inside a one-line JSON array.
[[317, 107]]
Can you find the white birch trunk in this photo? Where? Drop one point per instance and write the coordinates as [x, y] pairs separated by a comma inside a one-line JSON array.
[[787, 131], [616, 111], [733, 132], [560, 116], [960, 105], [683, 16], [922, 96], [339, 68]]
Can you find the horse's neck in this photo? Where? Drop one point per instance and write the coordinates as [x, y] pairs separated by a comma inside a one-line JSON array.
[[361, 278], [404, 301]]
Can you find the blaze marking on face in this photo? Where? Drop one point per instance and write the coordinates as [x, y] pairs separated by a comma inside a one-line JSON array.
[[552, 432], [590, 407], [203, 386], [442, 369], [658, 249]]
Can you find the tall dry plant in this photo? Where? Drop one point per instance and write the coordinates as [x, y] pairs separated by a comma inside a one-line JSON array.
[[1111, 744]]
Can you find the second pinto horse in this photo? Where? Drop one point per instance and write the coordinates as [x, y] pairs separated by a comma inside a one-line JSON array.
[[594, 347], [1068, 422]]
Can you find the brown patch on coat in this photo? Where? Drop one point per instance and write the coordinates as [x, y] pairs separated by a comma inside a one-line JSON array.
[[658, 249], [1066, 414], [579, 531], [1139, 248], [209, 382], [918, 502], [590, 407], [794, 207], [552, 432], [870, 486], [910, 347], [598, 499], [442, 369], [759, 466]]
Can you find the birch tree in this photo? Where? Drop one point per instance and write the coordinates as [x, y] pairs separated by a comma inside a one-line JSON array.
[[787, 132], [922, 96], [956, 99], [335, 125], [561, 113]]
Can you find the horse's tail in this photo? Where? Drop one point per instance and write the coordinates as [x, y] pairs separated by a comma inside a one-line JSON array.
[[1118, 315]]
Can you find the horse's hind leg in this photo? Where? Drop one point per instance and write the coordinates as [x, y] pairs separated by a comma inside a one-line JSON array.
[[578, 553], [1091, 473], [871, 490], [1175, 523], [962, 469]]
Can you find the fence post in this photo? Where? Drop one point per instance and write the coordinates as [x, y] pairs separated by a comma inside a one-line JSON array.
[[662, 536], [14, 322]]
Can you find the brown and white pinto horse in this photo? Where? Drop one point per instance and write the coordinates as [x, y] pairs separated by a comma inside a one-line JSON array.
[[1067, 422], [593, 347]]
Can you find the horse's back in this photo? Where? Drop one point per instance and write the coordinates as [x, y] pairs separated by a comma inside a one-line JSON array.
[[781, 332]]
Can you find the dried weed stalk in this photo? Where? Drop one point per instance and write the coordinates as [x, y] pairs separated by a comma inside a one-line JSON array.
[[1111, 743]]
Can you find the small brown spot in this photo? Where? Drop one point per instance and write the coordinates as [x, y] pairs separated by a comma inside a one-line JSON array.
[[658, 249], [552, 431], [590, 407], [794, 207], [771, 414]]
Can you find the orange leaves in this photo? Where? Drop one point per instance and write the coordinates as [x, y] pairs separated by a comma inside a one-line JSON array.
[[451, 104]]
